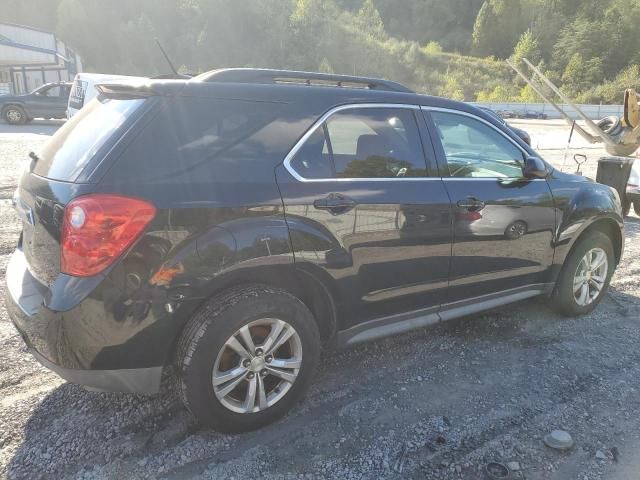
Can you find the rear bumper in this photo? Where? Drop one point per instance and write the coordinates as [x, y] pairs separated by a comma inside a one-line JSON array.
[[135, 380], [52, 337]]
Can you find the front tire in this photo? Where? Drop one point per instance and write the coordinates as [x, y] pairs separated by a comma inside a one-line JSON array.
[[585, 276], [14, 115], [246, 357]]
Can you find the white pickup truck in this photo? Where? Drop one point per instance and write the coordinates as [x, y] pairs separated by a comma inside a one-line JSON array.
[[83, 89]]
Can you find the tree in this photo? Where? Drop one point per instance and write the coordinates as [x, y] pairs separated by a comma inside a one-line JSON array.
[[432, 47], [447, 22], [527, 47], [580, 75], [497, 27], [499, 94], [325, 66], [529, 95], [369, 21]]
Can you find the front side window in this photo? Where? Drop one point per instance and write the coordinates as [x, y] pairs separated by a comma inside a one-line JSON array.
[[363, 143], [53, 92], [476, 150]]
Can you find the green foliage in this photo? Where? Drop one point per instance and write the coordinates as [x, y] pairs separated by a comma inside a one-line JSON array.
[[528, 95], [579, 74], [497, 27], [325, 66], [500, 93], [527, 47], [432, 47], [588, 47], [612, 91], [368, 19]]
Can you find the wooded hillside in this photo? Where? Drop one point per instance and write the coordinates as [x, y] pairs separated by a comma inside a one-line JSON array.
[[454, 48]]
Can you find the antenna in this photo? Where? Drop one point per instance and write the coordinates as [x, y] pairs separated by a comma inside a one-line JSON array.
[[166, 57]]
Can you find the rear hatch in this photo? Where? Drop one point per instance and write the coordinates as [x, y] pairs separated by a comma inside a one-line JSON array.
[[60, 171]]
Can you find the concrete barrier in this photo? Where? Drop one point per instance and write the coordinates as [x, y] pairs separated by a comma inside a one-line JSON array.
[[594, 112]]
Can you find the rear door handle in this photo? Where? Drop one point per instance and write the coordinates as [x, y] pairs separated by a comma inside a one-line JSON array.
[[471, 203], [335, 203]]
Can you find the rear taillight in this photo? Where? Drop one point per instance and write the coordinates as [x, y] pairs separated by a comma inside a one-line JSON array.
[[98, 228]]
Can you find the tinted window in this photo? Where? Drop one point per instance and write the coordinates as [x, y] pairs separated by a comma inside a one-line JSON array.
[[313, 159], [476, 150], [204, 140], [65, 155], [363, 143]]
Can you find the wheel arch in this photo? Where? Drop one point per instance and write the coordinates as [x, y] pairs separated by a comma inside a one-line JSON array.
[[607, 225], [610, 228], [302, 284], [14, 104]]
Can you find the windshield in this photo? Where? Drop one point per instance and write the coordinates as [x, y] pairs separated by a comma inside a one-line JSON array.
[[70, 149], [39, 89]]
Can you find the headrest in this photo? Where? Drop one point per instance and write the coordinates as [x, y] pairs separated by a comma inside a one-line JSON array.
[[371, 145]]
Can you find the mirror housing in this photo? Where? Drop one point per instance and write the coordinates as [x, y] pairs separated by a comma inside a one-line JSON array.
[[534, 167]]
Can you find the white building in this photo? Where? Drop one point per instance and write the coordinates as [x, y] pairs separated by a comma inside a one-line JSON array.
[[30, 57]]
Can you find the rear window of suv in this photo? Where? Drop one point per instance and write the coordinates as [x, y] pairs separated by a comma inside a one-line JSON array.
[[203, 139], [77, 141]]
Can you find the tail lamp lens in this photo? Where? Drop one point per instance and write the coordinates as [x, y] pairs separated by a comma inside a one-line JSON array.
[[97, 229]]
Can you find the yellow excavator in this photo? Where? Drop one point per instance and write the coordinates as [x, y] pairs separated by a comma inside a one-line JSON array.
[[621, 136]]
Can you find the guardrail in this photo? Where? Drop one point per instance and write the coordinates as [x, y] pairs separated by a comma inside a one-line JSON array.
[[594, 112]]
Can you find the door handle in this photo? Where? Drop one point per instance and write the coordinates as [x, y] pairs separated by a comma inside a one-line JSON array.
[[335, 203], [471, 203]]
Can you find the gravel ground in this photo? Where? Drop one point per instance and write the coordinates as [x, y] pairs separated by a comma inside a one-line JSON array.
[[436, 403]]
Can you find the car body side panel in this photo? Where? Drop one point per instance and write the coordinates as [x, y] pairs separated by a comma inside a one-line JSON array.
[[36, 106], [488, 256], [387, 255], [213, 230], [130, 316], [489, 253], [210, 231], [579, 204]]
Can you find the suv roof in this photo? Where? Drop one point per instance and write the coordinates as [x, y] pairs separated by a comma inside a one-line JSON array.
[[324, 90], [292, 77]]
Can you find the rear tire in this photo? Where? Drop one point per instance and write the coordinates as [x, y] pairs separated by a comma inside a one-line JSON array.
[[214, 349], [578, 288], [14, 115]]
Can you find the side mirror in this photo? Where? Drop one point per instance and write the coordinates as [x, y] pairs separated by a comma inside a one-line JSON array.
[[534, 167]]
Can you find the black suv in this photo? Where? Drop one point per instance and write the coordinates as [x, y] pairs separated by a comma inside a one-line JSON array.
[[48, 101], [230, 225]]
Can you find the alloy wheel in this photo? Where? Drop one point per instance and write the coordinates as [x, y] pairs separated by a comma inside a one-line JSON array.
[[257, 365], [590, 276], [13, 115]]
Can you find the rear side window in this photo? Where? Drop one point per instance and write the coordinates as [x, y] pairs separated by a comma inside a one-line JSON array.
[[66, 154], [363, 143], [204, 140]]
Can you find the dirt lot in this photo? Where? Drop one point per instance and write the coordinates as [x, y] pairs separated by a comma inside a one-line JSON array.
[[436, 403]]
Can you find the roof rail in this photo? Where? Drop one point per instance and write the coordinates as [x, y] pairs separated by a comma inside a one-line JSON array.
[[291, 77]]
